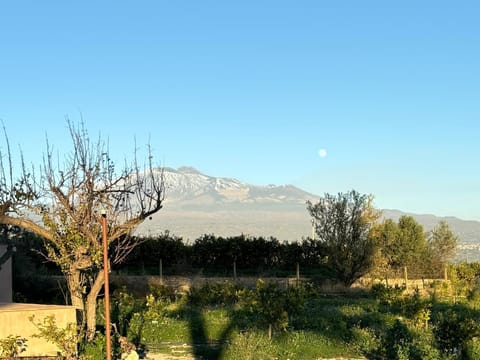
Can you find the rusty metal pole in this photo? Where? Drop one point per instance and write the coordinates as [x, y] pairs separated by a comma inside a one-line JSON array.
[[106, 285]]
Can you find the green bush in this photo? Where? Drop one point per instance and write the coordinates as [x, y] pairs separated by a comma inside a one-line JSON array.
[[453, 329], [471, 349], [402, 343], [12, 346], [66, 338], [95, 349], [214, 294], [365, 340], [163, 292], [387, 295], [417, 309]]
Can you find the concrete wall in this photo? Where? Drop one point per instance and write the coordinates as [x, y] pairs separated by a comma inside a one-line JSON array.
[[15, 320], [5, 278]]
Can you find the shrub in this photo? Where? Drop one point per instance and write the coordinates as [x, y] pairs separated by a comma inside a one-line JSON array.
[[364, 339], [66, 339], [387, 295], [401, 343], [453, 329], [95, 349], [471, 349], [417, 309], [214, 294], [12, 346]]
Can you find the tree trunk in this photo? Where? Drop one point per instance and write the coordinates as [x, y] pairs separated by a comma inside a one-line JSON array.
[[75, 289], [91, 305], [86, 303]]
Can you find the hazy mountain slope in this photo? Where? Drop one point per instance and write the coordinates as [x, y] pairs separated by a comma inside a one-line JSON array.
[[198, 204]]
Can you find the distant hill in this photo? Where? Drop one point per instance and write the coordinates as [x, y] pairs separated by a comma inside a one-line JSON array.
[[198, 204]]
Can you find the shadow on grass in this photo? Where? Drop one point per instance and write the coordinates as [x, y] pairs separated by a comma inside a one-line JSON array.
[[202, 346]]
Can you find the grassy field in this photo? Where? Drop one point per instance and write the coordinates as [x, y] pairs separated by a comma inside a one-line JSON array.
[[224, 321]]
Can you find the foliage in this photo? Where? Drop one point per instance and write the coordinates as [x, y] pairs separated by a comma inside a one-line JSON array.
[[365, 339], [411, 243], [214, 294], [442, 244], [216, 255], [11, 346], [210, 251], [343, 224], [94, 349], [465, 279], [274, 305], [401, 244], [400, 343], [171, 249], [404, 244], [66, 339], [454, 328], [417, 309], [471, 349], [387, 295]]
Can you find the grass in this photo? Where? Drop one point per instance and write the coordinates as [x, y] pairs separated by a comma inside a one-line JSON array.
[[226, 333], [217, 325]]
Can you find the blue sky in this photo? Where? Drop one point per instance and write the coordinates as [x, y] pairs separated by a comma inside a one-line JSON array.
[[254, 89]]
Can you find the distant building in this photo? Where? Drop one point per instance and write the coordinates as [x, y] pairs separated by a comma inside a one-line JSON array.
[[5, 275]]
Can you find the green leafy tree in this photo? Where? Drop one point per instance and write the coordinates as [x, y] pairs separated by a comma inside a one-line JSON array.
[[400, 244], [343, 224], [442, 245], [386, 236], [411, 244], [63, 206]]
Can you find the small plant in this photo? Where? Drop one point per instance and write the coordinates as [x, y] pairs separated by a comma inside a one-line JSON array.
[[12, 346], [274, 305], [96, 348], [250, 346], [66, 339], [417, 309]]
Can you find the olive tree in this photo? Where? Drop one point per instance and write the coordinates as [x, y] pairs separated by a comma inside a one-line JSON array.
[[343, 224], [63, 205]]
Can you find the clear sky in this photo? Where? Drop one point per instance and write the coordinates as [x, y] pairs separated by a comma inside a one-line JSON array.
[[255, 89]]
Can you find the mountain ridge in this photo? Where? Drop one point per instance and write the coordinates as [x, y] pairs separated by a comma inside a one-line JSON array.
[[198, 204]]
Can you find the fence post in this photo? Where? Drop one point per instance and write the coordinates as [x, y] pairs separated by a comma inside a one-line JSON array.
[[160, 265], [235, 269], [445, 274], [298, 274], [405, 274]]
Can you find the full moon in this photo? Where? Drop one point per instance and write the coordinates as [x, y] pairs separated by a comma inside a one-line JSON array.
[[322, 153]]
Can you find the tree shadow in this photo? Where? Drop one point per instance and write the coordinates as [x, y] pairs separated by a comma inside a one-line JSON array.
[[202, 346]]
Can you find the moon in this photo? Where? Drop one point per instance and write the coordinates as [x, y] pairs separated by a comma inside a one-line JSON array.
[[322, 153]]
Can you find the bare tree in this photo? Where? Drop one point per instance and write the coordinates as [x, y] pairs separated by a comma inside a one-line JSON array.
[[64, 204]]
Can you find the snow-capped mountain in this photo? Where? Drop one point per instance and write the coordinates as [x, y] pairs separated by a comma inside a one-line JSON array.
[[187, 186], [198, 204]]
